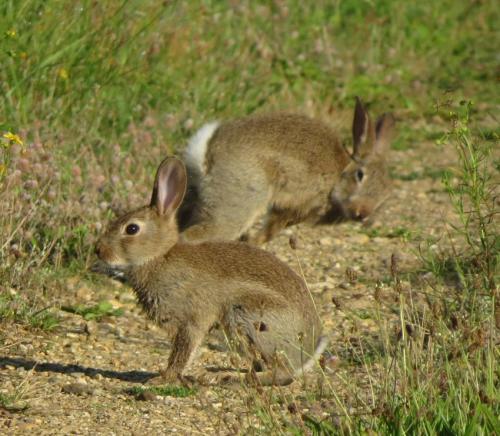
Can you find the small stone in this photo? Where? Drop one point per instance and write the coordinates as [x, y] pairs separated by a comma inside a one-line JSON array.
[[78, 389], [53, 380], [337, 302], [81, 380], [145, 396], [360, 239], [326, 241], [90, 328], [84, 294]]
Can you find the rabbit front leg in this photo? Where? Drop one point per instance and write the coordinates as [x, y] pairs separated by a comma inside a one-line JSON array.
[[276, 220], [187, 339]]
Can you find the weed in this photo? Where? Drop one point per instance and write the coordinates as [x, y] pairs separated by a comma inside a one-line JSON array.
[[15, 308], [473, 193], [96, 312], [17, 398], [12, 403]]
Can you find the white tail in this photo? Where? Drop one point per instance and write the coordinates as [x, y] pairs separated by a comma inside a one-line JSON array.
[[196, 150]]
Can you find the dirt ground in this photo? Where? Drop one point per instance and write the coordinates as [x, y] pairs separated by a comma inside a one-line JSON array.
[[75, 379]]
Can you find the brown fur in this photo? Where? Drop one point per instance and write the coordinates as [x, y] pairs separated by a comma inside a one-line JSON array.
[[286, 166], [260, 303]]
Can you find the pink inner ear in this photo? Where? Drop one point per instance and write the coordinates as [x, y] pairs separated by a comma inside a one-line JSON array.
[[166, 191], [170, 184], [360, 127]]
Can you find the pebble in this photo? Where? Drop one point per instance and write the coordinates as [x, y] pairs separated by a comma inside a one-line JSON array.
[[25, 348], [146, 396], [53, 380], [78, 389], [326, 241], [84, 294], [360, 239], [323, 254]]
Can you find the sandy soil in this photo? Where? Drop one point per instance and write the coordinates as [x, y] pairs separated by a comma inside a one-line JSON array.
[[75, 379]]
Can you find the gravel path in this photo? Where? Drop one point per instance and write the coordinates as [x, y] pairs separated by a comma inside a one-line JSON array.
[[76, 379]]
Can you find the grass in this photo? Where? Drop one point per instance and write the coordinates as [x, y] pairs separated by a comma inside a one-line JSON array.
[[94, 95], [97, 104], [14, 308], [17, 398], [95, 312], [12, 403]]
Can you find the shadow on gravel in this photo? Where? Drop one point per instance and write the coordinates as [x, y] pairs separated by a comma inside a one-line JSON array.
[[131, 376]]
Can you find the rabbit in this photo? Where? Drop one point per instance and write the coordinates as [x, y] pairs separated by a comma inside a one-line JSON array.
[[288, 167], [261, 305]]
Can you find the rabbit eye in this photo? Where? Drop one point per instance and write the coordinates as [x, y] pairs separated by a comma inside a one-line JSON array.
[[132, 229], [359, 174]]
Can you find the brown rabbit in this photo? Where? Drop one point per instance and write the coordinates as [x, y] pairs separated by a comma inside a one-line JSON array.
[[261, 305], [287, 166]]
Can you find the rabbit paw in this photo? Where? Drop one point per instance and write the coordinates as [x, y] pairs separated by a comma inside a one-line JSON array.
[[165, 377]]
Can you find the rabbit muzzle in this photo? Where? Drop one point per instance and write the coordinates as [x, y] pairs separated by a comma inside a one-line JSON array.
[[103, 251], [114, 272]]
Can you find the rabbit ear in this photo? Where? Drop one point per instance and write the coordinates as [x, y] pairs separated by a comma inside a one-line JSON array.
[[360, 126], [169, 187], [384, 132], [363, 132]]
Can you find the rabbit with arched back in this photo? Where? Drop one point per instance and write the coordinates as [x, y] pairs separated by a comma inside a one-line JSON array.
[[288, 167], [262, 306]]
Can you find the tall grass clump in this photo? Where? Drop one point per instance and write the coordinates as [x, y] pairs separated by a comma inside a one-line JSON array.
[[433, 366], [441, 374], [439, 370], [473, 191]]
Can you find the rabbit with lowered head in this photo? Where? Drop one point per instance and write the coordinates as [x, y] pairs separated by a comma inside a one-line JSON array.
[[288, 167], [261, 305]]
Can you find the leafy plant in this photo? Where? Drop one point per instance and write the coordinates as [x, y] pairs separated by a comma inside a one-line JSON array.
[[95, 312], [473, 191]]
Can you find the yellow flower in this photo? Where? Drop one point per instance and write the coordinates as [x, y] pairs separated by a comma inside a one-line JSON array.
[[11, 33], [63, 73], [13, 138]]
